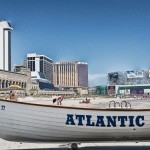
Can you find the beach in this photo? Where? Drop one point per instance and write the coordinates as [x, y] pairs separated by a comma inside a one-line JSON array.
[[95, 102]]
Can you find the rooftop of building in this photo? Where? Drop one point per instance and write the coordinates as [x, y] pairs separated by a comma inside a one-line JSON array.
[[11, 72], [6, 25], [37, 55], [74, 62]]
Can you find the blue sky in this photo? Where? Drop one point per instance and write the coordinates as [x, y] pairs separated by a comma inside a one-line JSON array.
[[110, 35]]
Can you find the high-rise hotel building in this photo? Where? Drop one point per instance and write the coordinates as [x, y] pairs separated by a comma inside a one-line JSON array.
[[40, 64], [5, 45], [70, 74]]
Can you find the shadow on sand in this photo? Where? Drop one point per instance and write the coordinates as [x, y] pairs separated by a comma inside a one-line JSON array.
[[100, 148]]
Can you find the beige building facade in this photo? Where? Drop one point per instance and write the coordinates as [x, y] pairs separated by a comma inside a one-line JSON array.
[[22, 79], [70, 74]]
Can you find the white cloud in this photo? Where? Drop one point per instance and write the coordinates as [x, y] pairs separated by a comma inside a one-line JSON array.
[[97, 79]]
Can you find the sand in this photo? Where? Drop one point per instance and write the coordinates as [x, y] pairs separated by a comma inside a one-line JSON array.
[[6, 145], [94, 102]]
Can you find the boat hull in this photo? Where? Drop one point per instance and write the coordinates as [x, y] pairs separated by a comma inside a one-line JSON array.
[[27, 122]]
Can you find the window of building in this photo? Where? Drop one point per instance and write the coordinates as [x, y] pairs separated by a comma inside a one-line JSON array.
[[33, 66], [41, 66]]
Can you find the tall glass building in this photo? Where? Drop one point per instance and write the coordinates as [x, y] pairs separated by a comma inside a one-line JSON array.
[[42, 64], [5, 45]]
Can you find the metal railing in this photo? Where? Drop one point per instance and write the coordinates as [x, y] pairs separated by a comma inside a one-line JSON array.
[[122, 104]]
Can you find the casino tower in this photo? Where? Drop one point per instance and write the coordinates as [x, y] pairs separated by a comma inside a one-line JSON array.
[[5, 45]]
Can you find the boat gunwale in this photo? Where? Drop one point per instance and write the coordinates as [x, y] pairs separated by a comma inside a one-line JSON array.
[[80, 108]]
